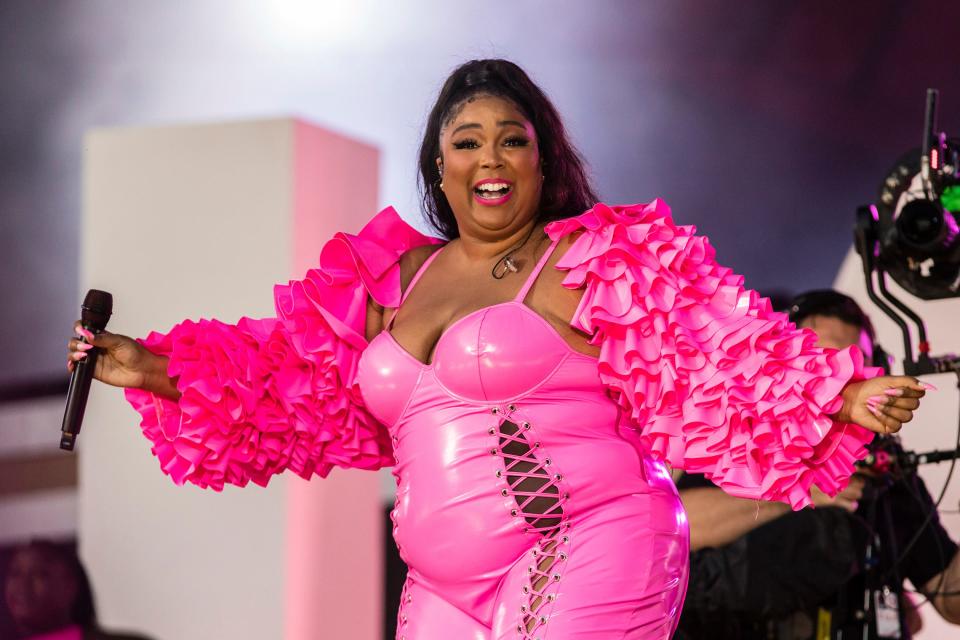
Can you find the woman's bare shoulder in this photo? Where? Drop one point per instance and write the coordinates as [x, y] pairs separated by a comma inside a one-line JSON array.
[[563, 245], [412, 260]]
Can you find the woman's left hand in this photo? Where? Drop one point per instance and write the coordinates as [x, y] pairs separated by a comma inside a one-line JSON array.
[[882, 404]]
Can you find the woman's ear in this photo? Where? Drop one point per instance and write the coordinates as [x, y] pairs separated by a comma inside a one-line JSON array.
[[440, 166]]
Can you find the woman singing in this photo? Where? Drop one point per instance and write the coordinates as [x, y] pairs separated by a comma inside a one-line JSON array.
[[528, 378]]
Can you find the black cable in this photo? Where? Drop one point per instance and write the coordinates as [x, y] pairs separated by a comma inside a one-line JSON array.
[[936, 506], [891, 544], [910, 483]]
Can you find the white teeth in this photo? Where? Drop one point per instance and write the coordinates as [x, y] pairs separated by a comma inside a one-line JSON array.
[[493, 186]]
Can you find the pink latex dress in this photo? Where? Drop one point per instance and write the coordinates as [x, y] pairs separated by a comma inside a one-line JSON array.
[[532, 499]]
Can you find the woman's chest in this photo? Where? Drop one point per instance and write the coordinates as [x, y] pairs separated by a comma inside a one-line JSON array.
[[492, 355]]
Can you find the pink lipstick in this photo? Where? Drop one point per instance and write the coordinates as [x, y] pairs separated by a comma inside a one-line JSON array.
[[492, 192]]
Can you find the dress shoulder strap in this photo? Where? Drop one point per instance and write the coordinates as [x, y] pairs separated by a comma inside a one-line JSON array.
[[413, 282], [522, 294]]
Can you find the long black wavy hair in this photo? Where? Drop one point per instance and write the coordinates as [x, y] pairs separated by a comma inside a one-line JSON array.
[[566, 188]]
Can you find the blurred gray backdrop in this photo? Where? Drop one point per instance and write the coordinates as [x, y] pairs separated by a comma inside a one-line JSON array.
[[763, 123]]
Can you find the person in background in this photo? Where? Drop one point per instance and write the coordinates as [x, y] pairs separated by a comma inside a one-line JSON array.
[[759, 570], [49, 597]]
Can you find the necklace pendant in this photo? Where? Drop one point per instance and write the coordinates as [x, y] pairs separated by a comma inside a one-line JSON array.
[[510, 264]]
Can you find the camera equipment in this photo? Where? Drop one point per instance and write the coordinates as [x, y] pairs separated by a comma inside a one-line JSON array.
[[912, 234]]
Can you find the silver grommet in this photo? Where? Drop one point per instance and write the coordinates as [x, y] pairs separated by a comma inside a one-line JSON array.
[[526, 589], [551, 598], [513, 407], [536, 445], [523, 608], [547, 462], [562, 556], [566, 496], [565, 539], [543, 620], [504, 492], [499, 473], [526, 425], [492, 431], [529, 569], [495, 410], [558, 477], [513, 512], [493, 451]]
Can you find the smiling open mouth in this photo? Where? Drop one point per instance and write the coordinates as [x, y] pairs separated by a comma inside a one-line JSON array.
[[492, 190]]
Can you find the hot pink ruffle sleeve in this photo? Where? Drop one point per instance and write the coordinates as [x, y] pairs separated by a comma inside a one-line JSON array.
[[267, 395], [711, 378]]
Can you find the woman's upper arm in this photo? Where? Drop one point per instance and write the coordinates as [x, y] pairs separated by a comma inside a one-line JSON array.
[[374, 323], [713, 380]]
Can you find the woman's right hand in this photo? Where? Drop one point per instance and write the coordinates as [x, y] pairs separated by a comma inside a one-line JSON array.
[[122, 361]]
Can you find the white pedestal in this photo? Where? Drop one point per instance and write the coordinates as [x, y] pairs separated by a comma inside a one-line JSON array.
[[201, 221]]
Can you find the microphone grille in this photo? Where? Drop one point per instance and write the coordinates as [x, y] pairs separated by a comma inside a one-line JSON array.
[[96, 310]]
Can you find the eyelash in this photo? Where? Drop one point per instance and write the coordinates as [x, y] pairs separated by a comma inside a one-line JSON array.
[[517, 141]]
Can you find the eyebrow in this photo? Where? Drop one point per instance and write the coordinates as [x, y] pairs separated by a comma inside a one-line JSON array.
[[502, 123]]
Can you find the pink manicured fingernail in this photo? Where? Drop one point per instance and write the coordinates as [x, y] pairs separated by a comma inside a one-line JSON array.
[[875, 400], [79, 355], [85, 333], [894, 392], [84, 346], [928, 386], [872, 409]]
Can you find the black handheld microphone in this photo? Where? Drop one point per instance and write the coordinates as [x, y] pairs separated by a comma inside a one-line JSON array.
[[94, 314]]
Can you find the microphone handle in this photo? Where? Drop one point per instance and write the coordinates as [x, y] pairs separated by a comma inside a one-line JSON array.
[[77, 394]]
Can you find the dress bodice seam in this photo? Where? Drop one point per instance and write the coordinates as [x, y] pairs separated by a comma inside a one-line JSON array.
[[423, 369]]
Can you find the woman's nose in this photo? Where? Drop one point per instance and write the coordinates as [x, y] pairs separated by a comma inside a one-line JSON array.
[[491, 159]]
